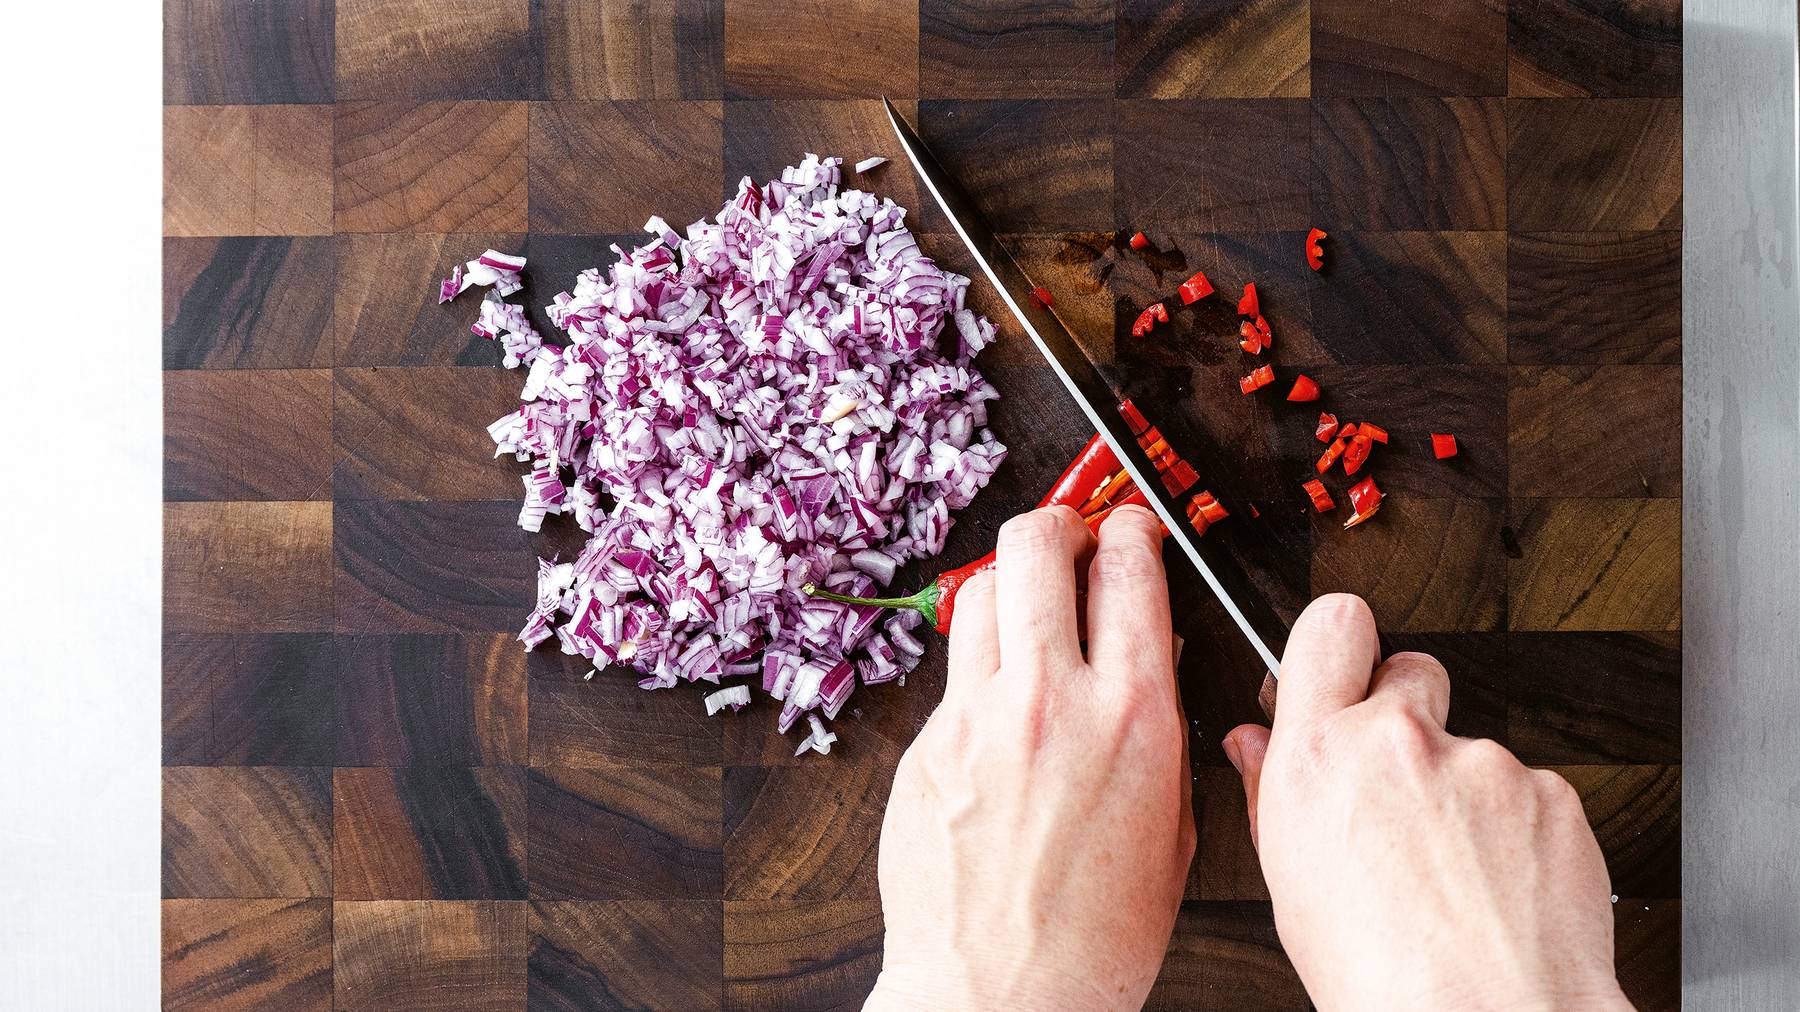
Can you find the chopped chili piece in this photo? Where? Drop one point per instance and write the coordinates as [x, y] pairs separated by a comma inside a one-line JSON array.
[[1267, 335], [1134, 418], [1254, 512], [1195, 519], [1321, 499], [1146, 322], [1247, 305], [1365, 499], [1315, 254], [1375, 432], [1210, 508], [1140, 241], [1348, 430], [1041, 296], [1195, 288], [1304, 389], [1154, 448], [1252, 338], [1180, 477], [1259, 377], [1443, 444], [1161, 314], [1328, 426], [1330, 456], [1147, 436], [1357, 454]]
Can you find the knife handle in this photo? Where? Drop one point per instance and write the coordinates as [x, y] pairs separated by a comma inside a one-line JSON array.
[[1265, 697]]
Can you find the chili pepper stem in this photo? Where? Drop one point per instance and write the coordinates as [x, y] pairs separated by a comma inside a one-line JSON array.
[[924, 602]]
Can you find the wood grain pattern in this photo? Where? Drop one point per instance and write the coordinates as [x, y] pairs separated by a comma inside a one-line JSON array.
[[1647, 950], [1435, 565], [429, 955], [1225, 865], [247, 170], [667, 49], [431, 700], [222, 52], [1593, 164], [1226, 956], [801, 956], [1625, 707], [763, 137], [430, 167], [996, 150], [278, 822], [421, 433], [583, 179], [1596, 564], [1016, 49], [1446, 48], [1579, 48], [432, 567], [377, 316], [626, 831], [426, 49], [1213, 49], [800, 54], [593, 723], [242, 566], [246, 954], [1256, 179], [1636, 815], [248, 434], [429, 832], [1593, 297], [1410, 163], [1412, 297], [238, 699], [248, 303], [803, 832], [1611, 430], [626, 954]]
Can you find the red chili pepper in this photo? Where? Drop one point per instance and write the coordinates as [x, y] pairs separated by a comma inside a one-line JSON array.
[[1144, 324], [1321, 499], [1247, 305], [1105, 495], [1328, 426], [1210, 508], [1092, 466], [1443, 444], [1140, 241], [1357, 453], [1041, 296], [1375, 432], [1259, 377], [1162, 315], [1251, 338], [1262, 329], [1195, 288], [1179, 477], [1304, 389], [1315, 254], [1365, 499], [1332, 453], [1348, 431], [1134, 419]]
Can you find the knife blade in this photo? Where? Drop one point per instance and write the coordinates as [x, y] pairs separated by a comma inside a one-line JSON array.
[[1093, 394]]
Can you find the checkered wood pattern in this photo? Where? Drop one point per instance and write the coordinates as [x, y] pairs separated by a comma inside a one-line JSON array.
[[373, 799]]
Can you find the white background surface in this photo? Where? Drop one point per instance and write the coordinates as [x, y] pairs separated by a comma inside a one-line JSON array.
[[80, 395]]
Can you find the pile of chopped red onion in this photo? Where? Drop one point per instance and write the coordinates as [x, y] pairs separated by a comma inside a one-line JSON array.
[[771, 400]]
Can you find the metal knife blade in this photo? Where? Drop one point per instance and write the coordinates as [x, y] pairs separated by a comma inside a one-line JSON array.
[[1093, 394]]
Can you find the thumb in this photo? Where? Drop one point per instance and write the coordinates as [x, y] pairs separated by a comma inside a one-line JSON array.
[[1246, 746]]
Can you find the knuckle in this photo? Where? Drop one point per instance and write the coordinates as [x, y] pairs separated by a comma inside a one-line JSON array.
[[1340, 605], [1038, 531], [1125, 564], [1491, 758], [1410, 738], [1557, 789], [1420, 665]]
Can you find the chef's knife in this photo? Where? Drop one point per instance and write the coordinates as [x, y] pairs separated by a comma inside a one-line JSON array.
[[1097, 399]]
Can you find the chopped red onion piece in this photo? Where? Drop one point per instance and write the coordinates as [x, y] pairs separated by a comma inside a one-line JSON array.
[[869, 163], [737, 697], [819, 740]]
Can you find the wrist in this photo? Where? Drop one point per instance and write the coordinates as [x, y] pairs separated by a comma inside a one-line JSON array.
[[949, 984]]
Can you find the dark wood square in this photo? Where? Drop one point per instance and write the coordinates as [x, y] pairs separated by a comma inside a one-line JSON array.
[[1575, 49], [247, 699], [423, 699], [1434, 565], [1449, 47], [664, 49], [278, 821], [1611, 430], [1584, 164], [1213, 49], [1015, 49], [376, 315], [221, 52], [427, 955], [995, 148], [626, 831], [430, 167], [419, 49], [248, 303], [246, 434], [799, 955], [1593, 297], [247, 566], [246, 954], [1226, 955], [1626, 707], [1397, 297], [1225, 865], [1409, 163], [421, 433], [428, 832], [1647, 947], [595, 164], [581, 722], [624, 954], [1595, 564], [819, 49], [769, 811], [1256, 180], [431, 567], [1636, 814]]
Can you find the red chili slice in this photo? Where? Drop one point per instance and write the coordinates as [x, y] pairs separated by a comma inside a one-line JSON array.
[[1321, 499], [1134, 419], [1210, 508], [1357, 454], [1041, 296], [1145, 323], [1365, 499], [1195, 288], [1156, 309], [1443, 444], [1304, 389], [1315, 254], [1254, 512], [1375, 432], [1180, 477], [1259, 377], [1330, 456], [1141, 241], [1328, 426], [1266, 336], [1252, 338], [1247, 306]]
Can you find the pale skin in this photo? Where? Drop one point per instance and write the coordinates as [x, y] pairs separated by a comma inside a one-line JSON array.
[[1040, 829]]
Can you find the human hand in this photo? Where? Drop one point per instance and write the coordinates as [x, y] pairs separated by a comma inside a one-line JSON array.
[[1037, 840], [1410, 868]]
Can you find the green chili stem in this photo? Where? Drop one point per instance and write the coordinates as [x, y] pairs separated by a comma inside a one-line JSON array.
[[917, 601]]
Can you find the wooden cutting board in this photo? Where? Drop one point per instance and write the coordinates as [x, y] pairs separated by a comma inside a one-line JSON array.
[[372, 798]]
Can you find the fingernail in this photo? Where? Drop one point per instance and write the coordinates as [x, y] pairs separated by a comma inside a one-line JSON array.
[[1232, 753]]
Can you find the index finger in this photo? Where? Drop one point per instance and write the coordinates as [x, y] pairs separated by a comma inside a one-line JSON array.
[[1329, 660]]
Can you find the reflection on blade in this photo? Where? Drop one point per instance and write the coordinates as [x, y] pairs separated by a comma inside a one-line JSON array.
[[1097, 399]]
